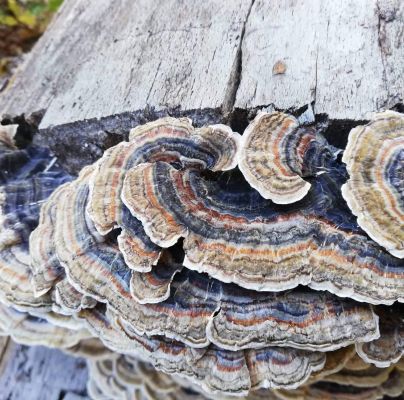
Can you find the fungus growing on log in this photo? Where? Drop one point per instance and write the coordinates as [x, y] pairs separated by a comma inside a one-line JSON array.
[[235, 235], [215, 370], [123, 377], [168, 139], [358, 373], [167, 253], [392, 387], [28, 183], [276, 153], [375, 190], [197, 310], [28, 329], [335, 362], [389, 348]]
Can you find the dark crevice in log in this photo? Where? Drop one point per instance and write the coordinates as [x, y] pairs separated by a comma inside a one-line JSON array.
[[81, 143], [27, 127], [335, 131], [235, 76], [399, 107], [338, 130]]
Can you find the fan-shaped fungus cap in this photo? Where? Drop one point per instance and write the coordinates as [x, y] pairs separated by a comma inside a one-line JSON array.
[[335, 362], [275, 154], [33, 330], [368, 377], [90, 349], [93, 263], [122, 377], [198, 310], [389, 348], [392, 387], [168, 139], [202, 310], [68, 300], [45, 266], [172, 140], [234, 235], [15, 281], [216, 371], [375, 190]]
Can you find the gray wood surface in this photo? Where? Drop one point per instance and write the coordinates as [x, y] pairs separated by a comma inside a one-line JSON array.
[[39, 373], [345, 56], [105, 57]]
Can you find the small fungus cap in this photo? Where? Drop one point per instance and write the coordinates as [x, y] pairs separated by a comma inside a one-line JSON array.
[[272, 155], [374, 158]]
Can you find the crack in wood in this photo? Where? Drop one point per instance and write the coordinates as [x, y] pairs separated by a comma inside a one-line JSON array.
[[235, 76]]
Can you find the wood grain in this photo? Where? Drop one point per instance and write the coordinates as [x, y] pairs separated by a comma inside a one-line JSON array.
[[104, 57], [345, 56]]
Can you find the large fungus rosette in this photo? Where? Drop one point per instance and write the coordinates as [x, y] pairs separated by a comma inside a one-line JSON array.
[[206, 280]]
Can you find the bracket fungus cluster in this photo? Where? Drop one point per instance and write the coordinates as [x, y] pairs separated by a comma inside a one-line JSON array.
[[27, 178], [213, 264]]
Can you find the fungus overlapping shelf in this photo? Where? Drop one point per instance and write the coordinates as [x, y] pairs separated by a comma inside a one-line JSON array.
[[197, 262]]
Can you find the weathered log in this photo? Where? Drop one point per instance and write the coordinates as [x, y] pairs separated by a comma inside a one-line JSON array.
[[346, 57], [105, 66], [102, 58]]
